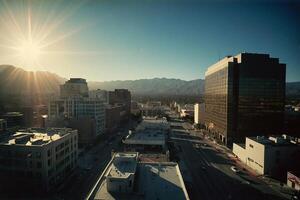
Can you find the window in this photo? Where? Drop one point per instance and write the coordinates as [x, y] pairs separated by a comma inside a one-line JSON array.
[[130, 183], [39, 165], [38, 154], [250, 145]]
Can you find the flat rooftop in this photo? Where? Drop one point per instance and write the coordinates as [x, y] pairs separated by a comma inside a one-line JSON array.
[[35, 137], [150, 131], [274, 140], [123, 165], [161, 181], [147, 137]]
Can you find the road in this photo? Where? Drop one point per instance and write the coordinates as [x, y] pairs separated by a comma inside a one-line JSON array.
[[90, 166], [207, 170]]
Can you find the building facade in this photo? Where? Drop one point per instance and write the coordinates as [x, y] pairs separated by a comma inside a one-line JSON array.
[[38, 158], [76, 109], [199, 113], [121, 97], [126, 177], [74, 87], [99, 94], [244, 94], [273, 156]]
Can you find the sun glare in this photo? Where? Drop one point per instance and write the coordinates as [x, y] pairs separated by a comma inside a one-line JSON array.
[[27, 39], [29, 51]]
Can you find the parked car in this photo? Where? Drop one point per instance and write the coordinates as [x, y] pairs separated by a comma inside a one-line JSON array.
[[234, 169]]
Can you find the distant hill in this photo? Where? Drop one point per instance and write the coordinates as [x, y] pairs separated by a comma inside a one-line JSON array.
[[156, 86], [15, 80], [293, 88]]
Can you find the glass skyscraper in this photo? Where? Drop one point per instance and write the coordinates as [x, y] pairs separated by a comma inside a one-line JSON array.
[[244, 96]]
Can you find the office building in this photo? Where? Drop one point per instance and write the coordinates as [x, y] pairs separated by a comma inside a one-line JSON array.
[[273, 156], [121, 97], [74, 87], [112, 117], [76, 110], [99, 94], [126, 177], [244, 95], [38, 159]]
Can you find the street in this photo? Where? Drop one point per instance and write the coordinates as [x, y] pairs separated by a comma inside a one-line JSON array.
[[207, 172], [90, 166]]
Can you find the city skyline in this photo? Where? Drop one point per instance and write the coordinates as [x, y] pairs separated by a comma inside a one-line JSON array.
[[99, 41]]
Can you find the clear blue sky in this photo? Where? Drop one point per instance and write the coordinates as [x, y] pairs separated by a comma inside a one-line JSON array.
[[120, 40]]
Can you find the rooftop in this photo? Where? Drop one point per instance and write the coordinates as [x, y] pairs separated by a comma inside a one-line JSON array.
[[35, 137], [13, 114], [149, 131], [76, 80], [281, 140], [159, 180], [123, 165]]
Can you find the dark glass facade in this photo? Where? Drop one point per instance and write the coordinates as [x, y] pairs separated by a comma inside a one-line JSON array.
[[244, 96]]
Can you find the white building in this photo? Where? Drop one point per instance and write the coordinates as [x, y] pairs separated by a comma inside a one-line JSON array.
[[127, 178], [272, 156], [120, 177], [199, 112], [38, 158], [78, 107]]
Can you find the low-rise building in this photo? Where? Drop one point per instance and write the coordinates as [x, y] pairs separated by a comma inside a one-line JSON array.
[[152, 109], [38, 158], [199, 113], [126, 177], [149, 136], [187, 110], [14, 119], [269, 155], [293, 180]]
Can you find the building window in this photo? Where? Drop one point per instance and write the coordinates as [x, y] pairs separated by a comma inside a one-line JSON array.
[[39, 165], [38, 154], [250, 145]]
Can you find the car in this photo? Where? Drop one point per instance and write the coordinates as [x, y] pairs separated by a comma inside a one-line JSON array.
[[204, 144], [234, 169], [203, 168], [246, 182]]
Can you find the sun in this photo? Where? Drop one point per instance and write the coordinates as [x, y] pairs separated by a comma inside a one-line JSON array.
[[29, 51]]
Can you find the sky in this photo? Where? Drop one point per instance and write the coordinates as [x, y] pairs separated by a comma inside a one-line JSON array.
[[104, 40]]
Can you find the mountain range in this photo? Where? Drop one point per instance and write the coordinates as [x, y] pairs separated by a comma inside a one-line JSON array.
[[15, 80]]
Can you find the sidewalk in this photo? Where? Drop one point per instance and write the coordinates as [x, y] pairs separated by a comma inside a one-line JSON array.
[[276, 185]]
